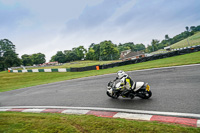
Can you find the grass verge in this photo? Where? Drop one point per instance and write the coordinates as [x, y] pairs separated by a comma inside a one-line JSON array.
[[77, 64], [11, 81], [11, 122]]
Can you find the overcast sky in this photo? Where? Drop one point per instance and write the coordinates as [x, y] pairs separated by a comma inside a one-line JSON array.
[[48, 26]]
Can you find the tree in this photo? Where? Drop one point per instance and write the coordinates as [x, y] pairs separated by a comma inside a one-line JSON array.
[[60, 57], [108, 51], [192, 28], [53, 58], [126, 46], [6, 45], [148, 49], [80, 52], [91, 54], [38, 58], [8, 56], [166, 37], [96, 48], [154, 44], [27, 60], [139, 47], [188, 34], [11, 59], [187, 28], [70, 55]]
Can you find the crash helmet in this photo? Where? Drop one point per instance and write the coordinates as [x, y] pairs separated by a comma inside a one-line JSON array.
[[121, 74]]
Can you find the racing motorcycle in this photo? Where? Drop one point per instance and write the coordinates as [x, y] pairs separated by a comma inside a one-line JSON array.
[[140, 89]]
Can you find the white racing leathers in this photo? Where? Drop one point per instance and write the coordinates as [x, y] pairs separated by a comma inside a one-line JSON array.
[[126, 83]]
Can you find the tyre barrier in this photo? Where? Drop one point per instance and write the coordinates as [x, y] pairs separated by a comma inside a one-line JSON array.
[[41, 70]]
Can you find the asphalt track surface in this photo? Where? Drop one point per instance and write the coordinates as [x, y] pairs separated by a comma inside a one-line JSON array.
[[175, 89]]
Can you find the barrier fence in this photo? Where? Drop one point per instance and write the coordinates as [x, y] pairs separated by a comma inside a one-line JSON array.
[[174, 52], [41, 70]]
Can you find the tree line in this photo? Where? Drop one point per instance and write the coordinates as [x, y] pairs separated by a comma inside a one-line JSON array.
[[105, 50], [8, 56]]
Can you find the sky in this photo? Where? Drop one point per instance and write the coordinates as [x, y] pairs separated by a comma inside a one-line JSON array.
[[48, 26]]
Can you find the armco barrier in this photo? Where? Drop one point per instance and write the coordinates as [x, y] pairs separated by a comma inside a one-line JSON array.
[[81, 69]]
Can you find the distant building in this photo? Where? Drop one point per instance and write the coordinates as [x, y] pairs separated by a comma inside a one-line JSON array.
[[129, 55], [124, 53]]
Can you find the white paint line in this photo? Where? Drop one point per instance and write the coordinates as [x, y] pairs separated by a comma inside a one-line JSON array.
[[72, 111], [47, 70], [140, 71], [24, 71], [33, 110], [62, 70], [133, 116], [15, 71], [198, 123], [3, 110], [165, 68], [35, 70]]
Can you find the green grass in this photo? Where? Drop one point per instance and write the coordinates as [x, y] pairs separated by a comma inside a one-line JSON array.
[[193, 40], [87, 63], [11, 81], [78, 64], [12, 122]]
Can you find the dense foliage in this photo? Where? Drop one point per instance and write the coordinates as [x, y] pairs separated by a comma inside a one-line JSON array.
[[29, 60], [105, 50], [8, 56]]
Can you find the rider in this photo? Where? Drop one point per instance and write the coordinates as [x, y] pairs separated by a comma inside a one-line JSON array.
[[126, 83]]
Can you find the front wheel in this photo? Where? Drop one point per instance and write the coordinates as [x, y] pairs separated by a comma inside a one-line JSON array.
[[146, 95], [108, 94], [114, 95]]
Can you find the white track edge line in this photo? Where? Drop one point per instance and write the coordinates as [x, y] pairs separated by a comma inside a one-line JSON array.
[[165, 67]]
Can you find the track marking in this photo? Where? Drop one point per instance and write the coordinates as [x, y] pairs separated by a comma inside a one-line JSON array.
[[110, 114], [188, 115], [133, 116]]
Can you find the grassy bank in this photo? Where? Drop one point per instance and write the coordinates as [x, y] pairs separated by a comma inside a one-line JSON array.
[[11, 81], [11, 122], [192, 40]]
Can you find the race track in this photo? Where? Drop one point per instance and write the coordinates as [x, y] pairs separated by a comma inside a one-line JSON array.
[[175, 89]]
